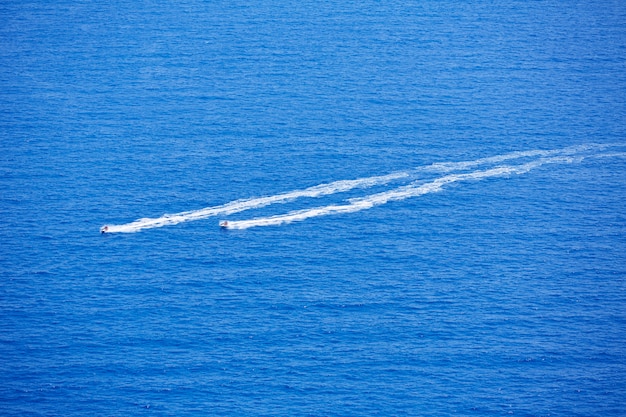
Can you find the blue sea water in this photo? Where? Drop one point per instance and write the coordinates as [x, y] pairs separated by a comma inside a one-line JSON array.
[[488, 278]]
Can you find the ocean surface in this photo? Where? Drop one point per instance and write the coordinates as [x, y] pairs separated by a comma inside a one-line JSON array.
[[425, 207]]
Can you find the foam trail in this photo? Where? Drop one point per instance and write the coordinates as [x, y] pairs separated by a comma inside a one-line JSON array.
[[609, 155], [248, 204], [464, 165], [397, 194], [543, 156]]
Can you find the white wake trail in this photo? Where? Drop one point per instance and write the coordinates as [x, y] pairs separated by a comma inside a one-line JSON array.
[[253, 203], [536, 157], [464, 165], [397, 194]]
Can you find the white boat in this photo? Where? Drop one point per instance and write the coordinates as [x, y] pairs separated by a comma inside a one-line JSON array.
[[224, 224]]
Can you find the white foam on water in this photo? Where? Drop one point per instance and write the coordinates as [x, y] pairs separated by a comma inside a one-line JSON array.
[[415, 188], [464, 165], [398, 194], [238, 206]]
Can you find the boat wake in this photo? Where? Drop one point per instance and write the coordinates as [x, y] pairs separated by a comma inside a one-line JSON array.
[[238, 206], [451, 172]]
